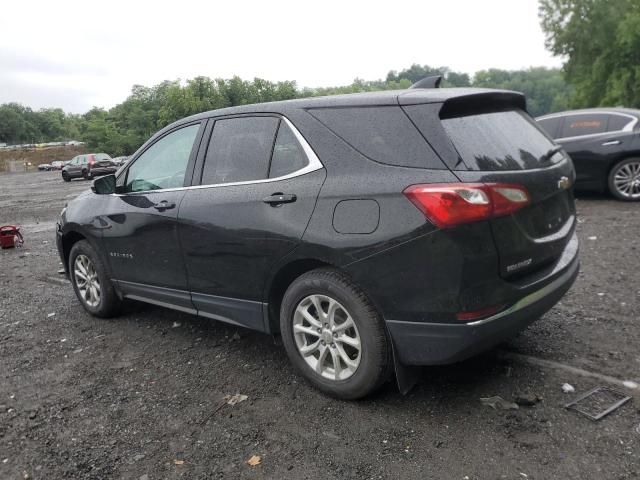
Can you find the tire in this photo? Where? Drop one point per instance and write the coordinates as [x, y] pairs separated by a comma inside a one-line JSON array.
[[373, 359], [624, 180], [108, 304], [65, 177]]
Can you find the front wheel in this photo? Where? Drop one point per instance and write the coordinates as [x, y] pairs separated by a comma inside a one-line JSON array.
[[90, 281], [65, 177], [624, 180], [334, 336]]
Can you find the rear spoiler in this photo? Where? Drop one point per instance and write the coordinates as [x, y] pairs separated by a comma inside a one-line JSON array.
[[456, 102]]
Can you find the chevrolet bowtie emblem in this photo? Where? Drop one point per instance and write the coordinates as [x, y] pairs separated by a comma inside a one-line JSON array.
[[564, 183]]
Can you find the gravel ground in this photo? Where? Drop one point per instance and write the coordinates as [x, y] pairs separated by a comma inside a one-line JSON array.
[[142, 396]]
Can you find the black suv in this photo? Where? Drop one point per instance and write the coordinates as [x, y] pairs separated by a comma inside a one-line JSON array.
[[604, 144], [399, 228]]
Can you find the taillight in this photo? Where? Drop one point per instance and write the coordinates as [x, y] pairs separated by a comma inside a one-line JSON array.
[[478, 314], [451, 204]]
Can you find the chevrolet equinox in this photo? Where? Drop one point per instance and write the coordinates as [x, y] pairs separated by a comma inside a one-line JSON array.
[[370, 231]]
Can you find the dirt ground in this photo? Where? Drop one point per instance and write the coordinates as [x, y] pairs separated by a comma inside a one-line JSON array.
[[142, 396], [38, 156]]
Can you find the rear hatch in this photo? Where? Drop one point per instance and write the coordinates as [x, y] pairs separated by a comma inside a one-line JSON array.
[[488, 137], [102, 160]]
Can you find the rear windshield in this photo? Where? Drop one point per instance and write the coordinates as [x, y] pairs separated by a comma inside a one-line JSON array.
[[507, 140], [101, 156], [383, 134]]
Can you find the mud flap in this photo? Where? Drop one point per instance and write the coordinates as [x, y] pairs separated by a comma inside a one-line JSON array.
[[406, 376]]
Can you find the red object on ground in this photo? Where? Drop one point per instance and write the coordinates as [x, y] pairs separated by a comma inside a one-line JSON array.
[[10, 236]]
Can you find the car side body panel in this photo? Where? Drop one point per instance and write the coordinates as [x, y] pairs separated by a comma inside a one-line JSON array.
[[594, 156]]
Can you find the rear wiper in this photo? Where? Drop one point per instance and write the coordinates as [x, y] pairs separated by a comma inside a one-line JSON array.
[[549, 155]]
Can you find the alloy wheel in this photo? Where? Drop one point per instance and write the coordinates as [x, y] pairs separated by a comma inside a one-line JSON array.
[[87, 281], [627, 180], [327, 338]]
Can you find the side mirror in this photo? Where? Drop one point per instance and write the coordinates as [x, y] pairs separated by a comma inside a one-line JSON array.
[[104, 185]]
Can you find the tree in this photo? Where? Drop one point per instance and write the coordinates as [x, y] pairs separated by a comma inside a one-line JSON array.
[[417, 72], [601, 41]]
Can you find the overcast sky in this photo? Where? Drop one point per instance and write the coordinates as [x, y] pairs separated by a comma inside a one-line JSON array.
[[76, 55]]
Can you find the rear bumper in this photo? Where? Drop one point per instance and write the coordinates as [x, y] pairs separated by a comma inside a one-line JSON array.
[[418, 343], [96, 171]]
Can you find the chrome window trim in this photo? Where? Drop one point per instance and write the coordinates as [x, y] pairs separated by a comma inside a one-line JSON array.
[[313, 164], [627, 128]]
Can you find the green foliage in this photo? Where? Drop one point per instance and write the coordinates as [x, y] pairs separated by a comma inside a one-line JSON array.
[[123, 128], [601, 40], [20, 124], [417, 72]]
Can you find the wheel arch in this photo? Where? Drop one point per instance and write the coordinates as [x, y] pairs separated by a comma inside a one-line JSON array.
[[280, 282], [72, 236]]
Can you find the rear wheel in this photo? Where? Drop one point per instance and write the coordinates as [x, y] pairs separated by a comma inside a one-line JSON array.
[[90, 281], [624, 180], [334, 336]]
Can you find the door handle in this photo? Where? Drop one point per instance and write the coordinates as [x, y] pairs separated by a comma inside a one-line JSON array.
[[279, 198], [612, 142], [164, 205]]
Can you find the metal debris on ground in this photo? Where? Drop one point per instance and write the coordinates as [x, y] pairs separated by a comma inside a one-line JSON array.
[[233, 399], [566, 388], [499, 403], [598, 402]]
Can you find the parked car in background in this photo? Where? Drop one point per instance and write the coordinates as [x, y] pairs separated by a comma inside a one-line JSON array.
[[120, 161], [57, 165], [88, 166], [44, 167], [604, 144], [437, 221]]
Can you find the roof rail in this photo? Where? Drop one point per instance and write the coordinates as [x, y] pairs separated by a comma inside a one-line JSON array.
[[428, 82]]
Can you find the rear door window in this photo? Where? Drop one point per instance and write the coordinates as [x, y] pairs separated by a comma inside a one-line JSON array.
[[618, 122], [551, 125], [383, 134], [288, 155], [579, 125], [506, 140], [239, 150]]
